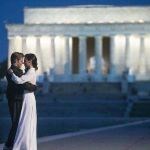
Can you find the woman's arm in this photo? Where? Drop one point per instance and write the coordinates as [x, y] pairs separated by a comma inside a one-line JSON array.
[[24, 78]]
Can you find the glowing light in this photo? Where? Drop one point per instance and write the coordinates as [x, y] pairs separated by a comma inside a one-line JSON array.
[[111, 21], [37, 22], [141, 21], [45, 41], [31, 44], [45, 52], [18, 44], [100, 21], [90, 22], [147, 51]]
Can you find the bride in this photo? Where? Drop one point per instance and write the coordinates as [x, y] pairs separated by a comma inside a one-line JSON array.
[[26, 135]]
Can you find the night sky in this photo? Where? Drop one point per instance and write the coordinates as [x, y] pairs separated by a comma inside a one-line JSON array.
[[11, 11]]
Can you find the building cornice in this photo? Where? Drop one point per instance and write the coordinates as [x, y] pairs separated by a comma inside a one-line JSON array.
[[77, 29]]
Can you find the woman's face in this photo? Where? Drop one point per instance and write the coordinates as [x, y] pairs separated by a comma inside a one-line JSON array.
[[27, 63]]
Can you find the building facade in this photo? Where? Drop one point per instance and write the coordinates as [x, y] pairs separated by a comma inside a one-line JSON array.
[[85, 43]]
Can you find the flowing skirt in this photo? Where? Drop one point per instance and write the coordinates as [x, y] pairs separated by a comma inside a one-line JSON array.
[[26, 135]]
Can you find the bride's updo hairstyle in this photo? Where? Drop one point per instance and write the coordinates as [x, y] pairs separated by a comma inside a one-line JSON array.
[[32, 57]]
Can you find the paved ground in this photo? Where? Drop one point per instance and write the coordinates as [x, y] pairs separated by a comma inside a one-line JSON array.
[[135, 136], [132, 137]]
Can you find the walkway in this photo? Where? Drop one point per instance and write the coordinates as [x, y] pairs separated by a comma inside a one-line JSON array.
[[134, 136]]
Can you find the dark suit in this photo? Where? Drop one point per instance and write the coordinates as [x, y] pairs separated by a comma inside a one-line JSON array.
[[14, 95]]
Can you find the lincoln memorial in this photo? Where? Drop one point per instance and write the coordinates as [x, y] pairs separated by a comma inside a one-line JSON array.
[[75, 43]]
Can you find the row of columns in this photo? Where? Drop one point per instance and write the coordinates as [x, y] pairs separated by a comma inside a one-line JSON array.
[[82, 53]]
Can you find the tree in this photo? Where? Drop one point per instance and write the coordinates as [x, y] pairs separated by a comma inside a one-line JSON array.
[[3, 68]]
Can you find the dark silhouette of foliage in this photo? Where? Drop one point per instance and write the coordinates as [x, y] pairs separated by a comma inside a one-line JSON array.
[[3, 68]]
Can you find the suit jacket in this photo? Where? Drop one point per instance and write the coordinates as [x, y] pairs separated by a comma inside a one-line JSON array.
[[15, 91]]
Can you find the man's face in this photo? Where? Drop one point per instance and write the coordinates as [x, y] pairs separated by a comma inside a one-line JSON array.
[[20, 62]]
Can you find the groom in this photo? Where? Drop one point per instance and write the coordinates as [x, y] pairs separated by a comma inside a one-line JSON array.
[[14, 95]]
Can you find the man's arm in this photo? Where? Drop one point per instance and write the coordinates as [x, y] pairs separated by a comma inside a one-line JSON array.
[[25, 86], [29, 87]]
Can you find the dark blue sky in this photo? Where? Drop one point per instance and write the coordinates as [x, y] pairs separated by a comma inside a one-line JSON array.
[[11, 11]]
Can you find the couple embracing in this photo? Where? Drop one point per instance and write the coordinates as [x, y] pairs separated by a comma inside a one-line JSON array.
[[21, 102]]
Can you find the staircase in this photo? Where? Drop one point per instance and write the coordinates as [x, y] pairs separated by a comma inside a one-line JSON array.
[[73, 107]]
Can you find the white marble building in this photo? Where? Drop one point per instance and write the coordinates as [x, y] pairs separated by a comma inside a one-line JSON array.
[[71, 41]]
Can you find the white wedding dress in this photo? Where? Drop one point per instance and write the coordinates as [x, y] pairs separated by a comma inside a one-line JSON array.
[[26, 135]]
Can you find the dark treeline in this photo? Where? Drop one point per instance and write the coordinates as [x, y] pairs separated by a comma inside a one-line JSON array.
[[3, 68]]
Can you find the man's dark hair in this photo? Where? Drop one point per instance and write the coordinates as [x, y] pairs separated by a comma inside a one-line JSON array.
[[16, 56]]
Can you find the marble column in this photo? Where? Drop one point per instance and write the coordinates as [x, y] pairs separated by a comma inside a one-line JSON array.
[[112, 73], [127, 49], [24, 45], [82, 56], [68, 56], [142, 46], [52, 57], [98, 57], [142, 61], [11, 49], [45, 52], [39, 58]]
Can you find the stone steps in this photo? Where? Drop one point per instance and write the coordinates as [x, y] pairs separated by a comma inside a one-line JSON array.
[[75, 109], [80, 97], [141, 109], [90, 88]]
